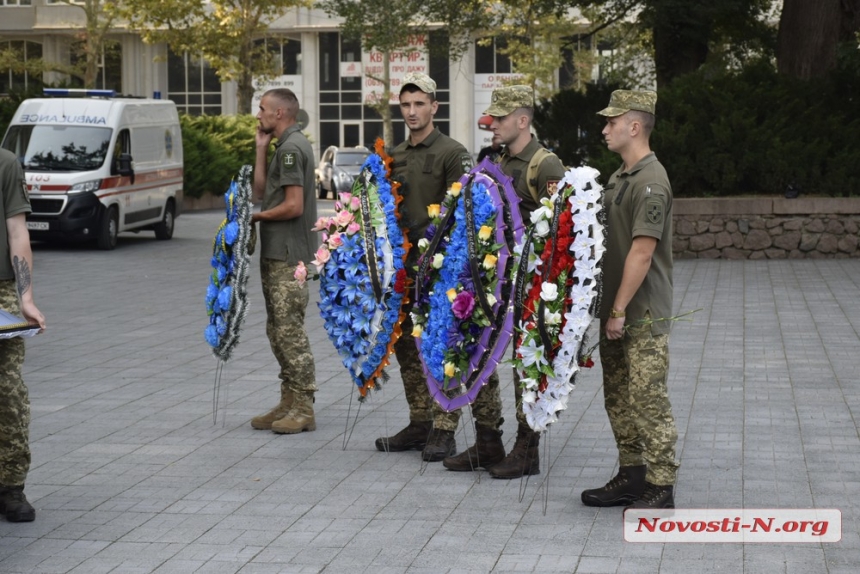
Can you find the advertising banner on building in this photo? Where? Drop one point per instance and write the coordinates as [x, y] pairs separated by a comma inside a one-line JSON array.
[[412, 58]]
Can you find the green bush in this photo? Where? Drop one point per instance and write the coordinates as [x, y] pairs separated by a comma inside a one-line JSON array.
[[748, 132], [215, 147]]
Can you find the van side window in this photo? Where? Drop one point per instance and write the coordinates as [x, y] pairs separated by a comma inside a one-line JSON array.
[[123, 146]]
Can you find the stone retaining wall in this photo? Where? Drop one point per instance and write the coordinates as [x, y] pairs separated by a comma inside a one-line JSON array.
[[766, 228]]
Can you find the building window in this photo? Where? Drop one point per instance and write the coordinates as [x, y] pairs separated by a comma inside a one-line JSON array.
[[193, 85], [341, 109], [287, 55], [15, 2], [488, 60], [20, 79], [109, 73]]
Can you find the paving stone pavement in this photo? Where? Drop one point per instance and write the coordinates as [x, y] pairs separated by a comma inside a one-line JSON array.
[[131, 475]]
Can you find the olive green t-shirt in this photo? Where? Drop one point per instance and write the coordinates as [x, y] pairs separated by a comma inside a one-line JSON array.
[[550, 172], [15, 201], [425, 172], [638, 202], [292, 164]]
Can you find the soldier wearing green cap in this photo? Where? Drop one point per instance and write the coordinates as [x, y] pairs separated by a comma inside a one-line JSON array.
[[637, 289], [426, 164], [535, 173]]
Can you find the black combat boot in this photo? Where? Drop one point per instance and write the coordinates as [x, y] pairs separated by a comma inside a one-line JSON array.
[[487, 451], [413, 437], [655, 496], [440, 445], [524, 458], [14, 504], [624, 488]]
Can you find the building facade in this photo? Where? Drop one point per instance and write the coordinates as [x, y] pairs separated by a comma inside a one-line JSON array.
[[328, 73]]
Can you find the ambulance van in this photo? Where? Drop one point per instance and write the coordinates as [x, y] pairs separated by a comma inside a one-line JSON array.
[[97, 165]]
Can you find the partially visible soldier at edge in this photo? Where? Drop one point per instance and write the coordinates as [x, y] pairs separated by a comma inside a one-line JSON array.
[[637, 287], [16, 297], [535, 173], [425, 165], [287, 216]]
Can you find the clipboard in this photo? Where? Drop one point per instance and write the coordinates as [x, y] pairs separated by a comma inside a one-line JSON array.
[[14, 326]]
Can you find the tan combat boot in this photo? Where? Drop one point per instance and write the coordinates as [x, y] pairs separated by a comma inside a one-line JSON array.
[[264, 422], [300, 418]]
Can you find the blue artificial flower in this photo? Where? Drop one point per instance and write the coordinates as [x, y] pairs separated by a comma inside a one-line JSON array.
[[224, 298], [211, 336], [231, 232]]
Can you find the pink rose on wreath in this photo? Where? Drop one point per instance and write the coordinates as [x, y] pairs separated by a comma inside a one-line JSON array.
[[343, 218], [353, 228], [322, 256], [335, 241], [355, 203], [301, 273], [321, 224], [463, 305]]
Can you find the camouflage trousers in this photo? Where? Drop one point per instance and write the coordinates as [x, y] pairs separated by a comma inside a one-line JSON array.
[[487, 407], [422, 407], [14, 400], [286, 302], [635, 369]]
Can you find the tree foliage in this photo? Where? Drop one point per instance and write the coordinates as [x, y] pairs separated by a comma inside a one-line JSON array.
[[225, 32]]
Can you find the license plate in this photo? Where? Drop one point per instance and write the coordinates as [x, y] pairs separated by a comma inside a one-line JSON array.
[[38, 225]]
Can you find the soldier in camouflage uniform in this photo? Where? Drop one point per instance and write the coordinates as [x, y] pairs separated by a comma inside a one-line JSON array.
[[16, 297], [426, 164], [637, 289], [512, 108], [287, 215]]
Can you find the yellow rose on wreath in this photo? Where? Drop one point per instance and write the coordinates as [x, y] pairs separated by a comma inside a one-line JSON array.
[[450, 369], [433, 210], [485, 232], [490, 261], [452, 294], [455, 189]]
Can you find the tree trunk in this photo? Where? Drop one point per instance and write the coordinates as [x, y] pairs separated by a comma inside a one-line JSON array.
[[245, 83], [808, 37], [681, 38]]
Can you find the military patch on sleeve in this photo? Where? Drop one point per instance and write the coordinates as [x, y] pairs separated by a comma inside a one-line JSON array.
[[654, 210], [466, 162], [289, 161], [551, 187]]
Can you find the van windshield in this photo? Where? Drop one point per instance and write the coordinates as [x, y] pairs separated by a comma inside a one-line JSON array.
[[59, 148]]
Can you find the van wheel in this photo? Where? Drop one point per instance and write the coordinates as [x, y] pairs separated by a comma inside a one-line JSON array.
[[164, 228], [109, 229]]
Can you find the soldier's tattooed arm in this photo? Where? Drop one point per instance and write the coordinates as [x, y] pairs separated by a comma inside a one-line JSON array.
[[22, 274], [21, 258]]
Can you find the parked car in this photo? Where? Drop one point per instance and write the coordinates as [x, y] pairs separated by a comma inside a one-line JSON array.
[[338, 169]]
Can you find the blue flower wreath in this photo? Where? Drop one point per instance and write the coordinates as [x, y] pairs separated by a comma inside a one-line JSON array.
[[440, 321], [363, 329], [226, 295]]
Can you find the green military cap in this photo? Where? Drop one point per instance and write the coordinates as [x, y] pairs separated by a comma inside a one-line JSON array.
[[421, 81], [506, 100], [622, 101]]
